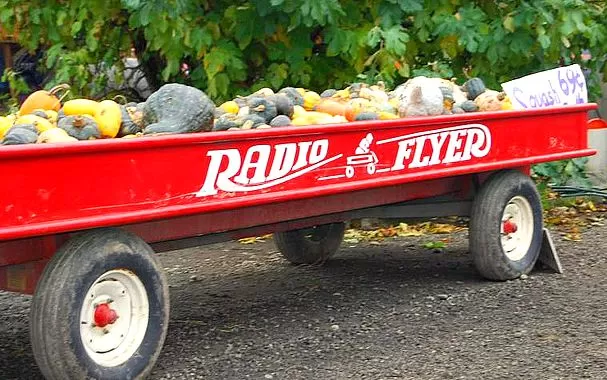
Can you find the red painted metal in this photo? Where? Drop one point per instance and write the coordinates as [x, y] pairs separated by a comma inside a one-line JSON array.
[[104, 315], [509, 227], [177, 186]]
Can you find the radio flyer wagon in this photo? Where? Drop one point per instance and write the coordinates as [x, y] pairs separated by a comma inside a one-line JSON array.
[[80, 223]]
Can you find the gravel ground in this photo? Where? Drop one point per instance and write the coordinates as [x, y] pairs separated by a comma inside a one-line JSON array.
[[376, 311]]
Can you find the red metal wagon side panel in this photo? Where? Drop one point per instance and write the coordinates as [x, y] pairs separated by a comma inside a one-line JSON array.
[[50, 189]]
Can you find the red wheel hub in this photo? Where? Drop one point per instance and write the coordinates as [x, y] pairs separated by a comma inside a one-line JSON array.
[[104, 315], [509, 227]]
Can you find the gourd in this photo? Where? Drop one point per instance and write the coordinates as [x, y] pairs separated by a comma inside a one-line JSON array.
[[82, 127], [108, 118], [81, 107], [467, 106], [40, 123], [264, 92], [328, 93], [5, 124], [178, 108], [284, 105], [227, 121], [366, 116], [252, 121], [295, 96], [262, 107], [42, 99], [474, 87], [230, 107], [130, 120], [20, 134], [311, 99], [330, 106], [490, 100], [54, 135], [280, 121]]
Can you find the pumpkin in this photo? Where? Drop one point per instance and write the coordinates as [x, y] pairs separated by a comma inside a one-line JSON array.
[[40, 123], [177, 108], [490, 100], [227, 121], [130, 121], [108, 118], [5, 124], [295, 96], [81, 107], [42, 99], [262, 107], [284, 104], [474, 87], [82, 127], [20, 134], [230, 107], [54, 135], [280, 121]]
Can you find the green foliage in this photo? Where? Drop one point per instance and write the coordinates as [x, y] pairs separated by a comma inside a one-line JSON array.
[[565, 172], [232, 47]]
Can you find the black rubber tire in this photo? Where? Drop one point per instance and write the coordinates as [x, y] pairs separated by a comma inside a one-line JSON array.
[[310, 245], [485, 225], [55, 310]]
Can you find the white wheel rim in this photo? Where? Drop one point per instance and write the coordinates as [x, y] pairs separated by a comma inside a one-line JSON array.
[[516, 228], [124, 293]]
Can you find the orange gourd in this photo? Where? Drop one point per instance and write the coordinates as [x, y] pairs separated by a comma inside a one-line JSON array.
[[42, 99], [332, 107]]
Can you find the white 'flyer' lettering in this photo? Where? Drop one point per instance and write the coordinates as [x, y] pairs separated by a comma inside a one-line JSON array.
[[447, 145], [286, 161]]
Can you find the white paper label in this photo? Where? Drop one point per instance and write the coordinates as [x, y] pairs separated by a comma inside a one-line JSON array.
[[556, 87]]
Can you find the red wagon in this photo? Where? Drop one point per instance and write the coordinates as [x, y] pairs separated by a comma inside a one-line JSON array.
[[80, 222]]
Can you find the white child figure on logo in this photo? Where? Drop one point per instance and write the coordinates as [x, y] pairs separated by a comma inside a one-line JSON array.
[[362, 156]]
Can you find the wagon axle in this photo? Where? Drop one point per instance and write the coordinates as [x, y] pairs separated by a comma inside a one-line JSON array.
[[104, 315]]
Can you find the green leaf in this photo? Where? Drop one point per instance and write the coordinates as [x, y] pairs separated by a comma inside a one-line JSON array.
[[396, 40]]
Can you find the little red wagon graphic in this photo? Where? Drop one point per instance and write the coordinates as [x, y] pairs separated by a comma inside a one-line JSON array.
[[363, 156]]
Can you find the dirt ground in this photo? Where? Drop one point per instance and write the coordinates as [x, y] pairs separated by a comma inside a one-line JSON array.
[[378, 310]]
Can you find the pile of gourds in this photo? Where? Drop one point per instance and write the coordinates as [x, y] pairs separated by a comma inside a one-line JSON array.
[[45, 117]]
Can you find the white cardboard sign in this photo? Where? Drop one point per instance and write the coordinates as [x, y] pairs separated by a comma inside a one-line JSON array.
[[556, 87]]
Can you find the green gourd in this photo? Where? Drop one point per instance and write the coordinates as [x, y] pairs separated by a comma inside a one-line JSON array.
[[81, 127]]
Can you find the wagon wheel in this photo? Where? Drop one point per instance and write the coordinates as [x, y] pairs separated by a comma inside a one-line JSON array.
[[101, 309], [506, 226], [310, 245]]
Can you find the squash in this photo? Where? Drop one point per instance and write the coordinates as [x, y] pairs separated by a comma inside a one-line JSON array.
[[474, 87], [82, 127], [81, 107], [54, 135], [42, 99], [178, 108], [383, 115], [280, 121], [108, 118], [227, 121], [331, 106], [130, 121], [311, 99], [230, 107], [262, 107], [328, 93], [490, 100], [40, 123], [295, 96], [366, 116], [467, 106], [20, 134], [298, 111], [284, 104], [5, 124], [252, 121], [264, 92]]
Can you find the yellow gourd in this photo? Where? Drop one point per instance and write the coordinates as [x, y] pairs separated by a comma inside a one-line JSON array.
[[81, 107], [5, 124], [108, 118], [230, 107], [311, 99], [54, 135], [40, 123]]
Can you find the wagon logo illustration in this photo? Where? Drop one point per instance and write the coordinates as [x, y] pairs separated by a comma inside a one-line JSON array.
[[363, 156]]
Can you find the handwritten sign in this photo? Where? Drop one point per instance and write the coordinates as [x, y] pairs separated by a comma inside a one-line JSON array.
[[556, 87]]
